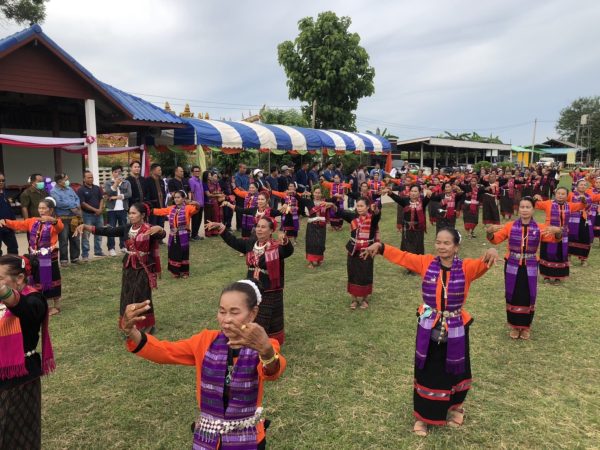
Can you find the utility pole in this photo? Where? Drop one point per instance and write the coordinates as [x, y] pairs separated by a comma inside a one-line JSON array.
[[533, 140], [314, 114]]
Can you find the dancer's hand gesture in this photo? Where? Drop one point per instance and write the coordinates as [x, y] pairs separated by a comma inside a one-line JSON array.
[[79, 230], [134, 313], [490, 257], [153, 230], [282, 237], [213, 225], [552, 231], [250, 335], [491, 228], [371, 251]]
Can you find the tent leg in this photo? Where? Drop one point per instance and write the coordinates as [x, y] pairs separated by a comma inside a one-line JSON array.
[[90, 127]]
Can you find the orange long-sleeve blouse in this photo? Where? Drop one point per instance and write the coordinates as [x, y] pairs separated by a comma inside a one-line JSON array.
[[504, 234], [472, 268], [546, 206], [27, 225], [191, 351], [190, 210]]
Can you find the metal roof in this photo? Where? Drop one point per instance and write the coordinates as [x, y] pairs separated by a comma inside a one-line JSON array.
[[138, 108], [455, 143]]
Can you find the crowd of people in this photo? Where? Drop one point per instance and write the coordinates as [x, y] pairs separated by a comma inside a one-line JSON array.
[[233, 362]]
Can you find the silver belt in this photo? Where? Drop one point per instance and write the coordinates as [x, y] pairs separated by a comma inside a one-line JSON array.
[[136, 253], [208, 425], [258, 268], [522, 255], [316, 219], [43, 251], [362, 241]]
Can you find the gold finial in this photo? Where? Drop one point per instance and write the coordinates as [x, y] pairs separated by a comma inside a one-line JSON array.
[[187, 112], [206, 116], [168, 107]]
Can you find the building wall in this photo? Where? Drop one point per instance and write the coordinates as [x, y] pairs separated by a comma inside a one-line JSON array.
[[20, 162]]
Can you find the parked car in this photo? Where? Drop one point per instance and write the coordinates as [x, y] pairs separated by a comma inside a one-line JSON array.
[[546, 161]]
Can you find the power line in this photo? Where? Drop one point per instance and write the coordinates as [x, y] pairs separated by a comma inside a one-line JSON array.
[[212, 101]]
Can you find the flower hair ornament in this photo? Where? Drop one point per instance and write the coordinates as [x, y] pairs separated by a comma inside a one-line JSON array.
[[256, 290]]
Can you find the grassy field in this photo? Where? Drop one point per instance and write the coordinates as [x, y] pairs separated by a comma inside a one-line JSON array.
[[349, 378]]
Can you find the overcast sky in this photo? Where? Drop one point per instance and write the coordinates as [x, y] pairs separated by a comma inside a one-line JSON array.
[[461, 66]]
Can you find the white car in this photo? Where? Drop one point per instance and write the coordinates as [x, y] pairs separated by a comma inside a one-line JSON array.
[[546, 161]]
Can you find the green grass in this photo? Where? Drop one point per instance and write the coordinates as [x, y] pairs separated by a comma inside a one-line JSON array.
[[349, 379]]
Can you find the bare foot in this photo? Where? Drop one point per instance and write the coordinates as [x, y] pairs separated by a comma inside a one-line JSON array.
[[455, 418], [514, 333], [525, 334], [420, 428]]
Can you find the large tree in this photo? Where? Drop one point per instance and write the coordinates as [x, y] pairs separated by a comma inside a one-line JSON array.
[[570, 118], [326, 63], [24, 11], [289, 117]]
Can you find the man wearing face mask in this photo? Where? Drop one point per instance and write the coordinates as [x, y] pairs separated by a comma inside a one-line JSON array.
[[69, 211], [31, 197]]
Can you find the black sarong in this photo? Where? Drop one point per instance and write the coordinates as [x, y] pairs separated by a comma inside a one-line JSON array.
[[21, 416]]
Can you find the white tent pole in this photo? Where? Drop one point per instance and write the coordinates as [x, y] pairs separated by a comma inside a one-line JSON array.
[[90, 127], [421, 161]]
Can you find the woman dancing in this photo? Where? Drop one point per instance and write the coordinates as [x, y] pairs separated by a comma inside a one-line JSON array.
[[316, 228], [231, 363], [180, 222], [265, 260], [43, 250], [554, 257], [290, 208], [337, 191], [250, 202], [521, 264], [414, 223], [442, 361], [581, 223], [213, 212], [261, 210], [141, 263], [364, 230], [448, 203], [23, 317], [473, 195]]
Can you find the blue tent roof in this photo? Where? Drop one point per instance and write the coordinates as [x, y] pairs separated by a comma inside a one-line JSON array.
[[138, 108], [244, 135]]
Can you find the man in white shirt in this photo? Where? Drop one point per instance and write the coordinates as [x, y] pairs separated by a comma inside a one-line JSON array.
[[118, 193]]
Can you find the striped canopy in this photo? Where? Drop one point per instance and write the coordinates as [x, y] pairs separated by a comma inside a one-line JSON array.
[[259, 136]]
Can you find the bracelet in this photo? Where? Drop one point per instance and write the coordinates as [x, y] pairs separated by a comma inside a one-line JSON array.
[[266, 362], [9, 293]]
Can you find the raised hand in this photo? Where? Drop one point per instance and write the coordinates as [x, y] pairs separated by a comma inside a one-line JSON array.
[[552, 231], [79, 230], [153, 230], [490, 257], [134, 313], [250, 335], [2, 223], [371, 251], [282, 237], [213, 225], [491, 228]]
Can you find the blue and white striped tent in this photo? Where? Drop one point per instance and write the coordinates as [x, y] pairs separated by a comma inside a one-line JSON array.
[[258, 136]]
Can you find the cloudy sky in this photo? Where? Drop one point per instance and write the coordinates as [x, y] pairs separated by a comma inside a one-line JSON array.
[[461, 66]]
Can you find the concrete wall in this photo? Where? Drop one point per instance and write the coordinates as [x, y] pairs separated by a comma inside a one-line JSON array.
[[20, 162]]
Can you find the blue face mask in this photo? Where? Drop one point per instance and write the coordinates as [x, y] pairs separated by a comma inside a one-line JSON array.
[[39, 185], [67, 183]]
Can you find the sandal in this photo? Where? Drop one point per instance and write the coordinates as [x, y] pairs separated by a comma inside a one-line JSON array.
[[420, 428], [354, 305], [514, 333], [364, 304], [456, 418]]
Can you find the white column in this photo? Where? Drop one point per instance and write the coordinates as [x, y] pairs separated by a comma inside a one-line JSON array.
[[434, 157], [421, 166], [90, 127]]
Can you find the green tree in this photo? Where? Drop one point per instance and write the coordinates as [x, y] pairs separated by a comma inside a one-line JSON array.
[[383, 133], [289, 117], [570, 118], [24, 11], [326, 63]]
